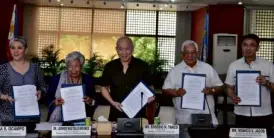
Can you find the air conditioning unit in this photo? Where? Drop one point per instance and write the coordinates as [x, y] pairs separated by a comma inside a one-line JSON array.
[[224, 51]]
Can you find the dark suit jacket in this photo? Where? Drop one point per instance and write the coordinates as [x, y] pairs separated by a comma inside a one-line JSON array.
[[89, 91]]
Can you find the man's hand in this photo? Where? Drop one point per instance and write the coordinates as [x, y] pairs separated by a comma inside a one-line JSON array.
[[117, 106], [236, 99], [180, 92], [151, 99], [261, 80], [207, 91]]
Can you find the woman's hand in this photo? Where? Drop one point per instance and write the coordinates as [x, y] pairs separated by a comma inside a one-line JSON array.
[[88, 100], [7, 98], [38, 94], [59, 101]]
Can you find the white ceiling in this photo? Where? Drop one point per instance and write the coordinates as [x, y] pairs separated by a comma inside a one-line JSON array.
[[177, 5]]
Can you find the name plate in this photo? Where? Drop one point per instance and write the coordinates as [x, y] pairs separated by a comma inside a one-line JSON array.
[[71, 131], [13, 131], [247, 132], [161, 129]]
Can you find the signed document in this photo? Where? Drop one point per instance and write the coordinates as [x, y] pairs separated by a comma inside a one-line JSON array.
[[193, 85], [247, 88], [74, 106], [132, 104], [26, 104]]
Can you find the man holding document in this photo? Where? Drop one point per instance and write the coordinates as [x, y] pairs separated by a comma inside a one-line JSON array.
[[120, 76], [249, 83], [192, 84]]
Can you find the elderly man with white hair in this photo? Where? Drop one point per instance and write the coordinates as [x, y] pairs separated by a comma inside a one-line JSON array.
[[173, 83]]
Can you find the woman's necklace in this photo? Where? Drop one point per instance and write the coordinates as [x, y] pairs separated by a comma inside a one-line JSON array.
[[77, 82]]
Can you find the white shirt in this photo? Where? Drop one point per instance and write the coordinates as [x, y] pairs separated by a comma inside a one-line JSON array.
[[174, 81], [267, 70]]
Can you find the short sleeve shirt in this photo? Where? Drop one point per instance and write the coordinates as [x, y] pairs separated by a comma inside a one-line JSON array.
[[174, 81], [267, 70]]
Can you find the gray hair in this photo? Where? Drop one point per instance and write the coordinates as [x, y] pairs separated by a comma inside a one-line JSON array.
[[189, 42], [75, 55], [19, 39]]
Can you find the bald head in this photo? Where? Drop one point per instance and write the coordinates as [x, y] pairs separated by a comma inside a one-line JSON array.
[[124, 48], [124, 40]]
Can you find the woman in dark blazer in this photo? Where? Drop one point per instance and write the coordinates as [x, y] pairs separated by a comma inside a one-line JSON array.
[[72, 75]]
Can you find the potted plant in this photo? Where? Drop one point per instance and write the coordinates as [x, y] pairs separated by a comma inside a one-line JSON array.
[[51, 63]]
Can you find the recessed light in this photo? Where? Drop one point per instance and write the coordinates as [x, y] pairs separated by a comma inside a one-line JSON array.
[[62, 4], [172, 0], [161, 8], [58, 0], [240, 3], [165, 5]]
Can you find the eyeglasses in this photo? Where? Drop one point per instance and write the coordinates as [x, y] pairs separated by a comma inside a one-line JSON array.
[[189, 53], [74, 68]]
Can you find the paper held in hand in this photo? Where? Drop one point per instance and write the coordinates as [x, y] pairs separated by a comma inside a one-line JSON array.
[[74, 106], [247, 88], [132, 104], [193, 85], [26, 104]]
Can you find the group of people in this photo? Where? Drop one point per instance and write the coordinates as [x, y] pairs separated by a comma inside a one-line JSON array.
[[246, 116], [121, 75]]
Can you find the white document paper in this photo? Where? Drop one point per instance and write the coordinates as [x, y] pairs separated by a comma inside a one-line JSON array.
[[132, 104], [248, 89], [74, 106], [26, 103], [194, 98]]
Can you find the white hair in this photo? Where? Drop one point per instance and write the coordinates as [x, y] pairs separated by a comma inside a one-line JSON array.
[[75, 56], [189, 42]]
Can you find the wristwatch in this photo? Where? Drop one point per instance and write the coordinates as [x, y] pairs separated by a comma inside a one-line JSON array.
[[213, 90]]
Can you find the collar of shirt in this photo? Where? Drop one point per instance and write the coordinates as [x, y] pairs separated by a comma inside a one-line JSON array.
[[252, 62], [185, 66], [132, 61]]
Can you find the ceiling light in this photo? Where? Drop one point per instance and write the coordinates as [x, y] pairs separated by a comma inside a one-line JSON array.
[[58, 0], [172, 0], [161, 8], [71, 1], [62, 4], [240, 3], [165, 5]]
